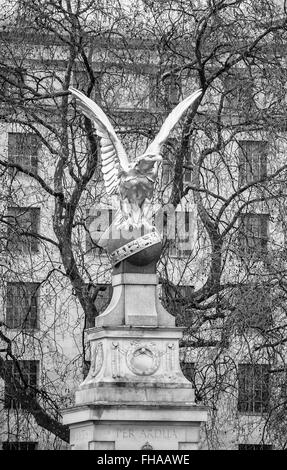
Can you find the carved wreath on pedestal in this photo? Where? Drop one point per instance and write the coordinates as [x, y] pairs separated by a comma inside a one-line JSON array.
[[142, 358]]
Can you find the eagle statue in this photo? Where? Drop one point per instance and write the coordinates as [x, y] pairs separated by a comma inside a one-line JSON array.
[[132, 181]]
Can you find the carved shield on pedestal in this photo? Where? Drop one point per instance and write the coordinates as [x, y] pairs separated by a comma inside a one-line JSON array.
[[97, 359]]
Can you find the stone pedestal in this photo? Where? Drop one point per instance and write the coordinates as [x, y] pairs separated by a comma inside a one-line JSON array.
[[135, 395]]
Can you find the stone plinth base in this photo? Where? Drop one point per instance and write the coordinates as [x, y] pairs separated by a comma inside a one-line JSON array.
[[114, 427], [135, 395]]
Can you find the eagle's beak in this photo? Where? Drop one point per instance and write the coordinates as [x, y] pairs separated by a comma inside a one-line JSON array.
[[155, 158]]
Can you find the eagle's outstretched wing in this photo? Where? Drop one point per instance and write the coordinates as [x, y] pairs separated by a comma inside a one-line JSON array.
[[112, 151], [170, 122]]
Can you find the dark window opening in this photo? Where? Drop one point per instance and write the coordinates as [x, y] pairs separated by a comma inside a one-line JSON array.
[[82, 82], [23, 221], [23, 150], [98, 223], [253, 388], [19, 445], [253, 306], [102, 300], [22, 305], [26, 378], [254, 447], [252, 162], [253, 234]]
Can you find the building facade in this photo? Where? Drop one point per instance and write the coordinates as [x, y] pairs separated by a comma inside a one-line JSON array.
[[221, 209]]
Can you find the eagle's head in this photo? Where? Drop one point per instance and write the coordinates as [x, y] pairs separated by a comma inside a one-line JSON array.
[[146, 162]]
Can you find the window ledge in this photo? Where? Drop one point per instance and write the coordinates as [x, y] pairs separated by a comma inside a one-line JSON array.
[[262, 414]]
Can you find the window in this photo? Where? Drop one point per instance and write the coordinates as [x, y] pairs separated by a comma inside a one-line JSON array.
[[166, 178], [239, 93], [168, 166], [23, 221], [22, 305], [168, 152], [25, 17], [253, 388], [19, 445], [282, 386], [176, 227], [98, 223], [188, 370], [253, 234], [102, 300], [174, 297], [171, 89], [23, 150], [254, 447], [29, 371], [253, 306], [185, 291], [252, 161], [11, 81], [183, 231], [82, 82], [187, 171], [125, 91], [165, 91]]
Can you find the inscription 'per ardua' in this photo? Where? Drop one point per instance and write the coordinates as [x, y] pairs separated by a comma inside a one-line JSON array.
[[153, 433]]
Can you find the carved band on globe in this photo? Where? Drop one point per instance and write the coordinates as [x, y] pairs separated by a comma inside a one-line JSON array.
[[135, 246]]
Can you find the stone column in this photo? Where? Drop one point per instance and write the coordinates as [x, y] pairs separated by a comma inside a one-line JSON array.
[[135, 395]]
